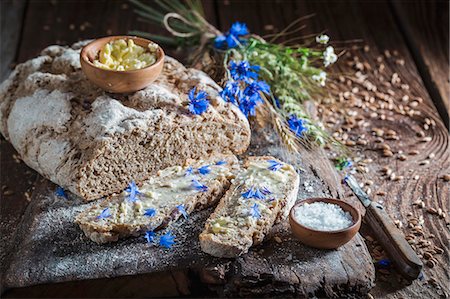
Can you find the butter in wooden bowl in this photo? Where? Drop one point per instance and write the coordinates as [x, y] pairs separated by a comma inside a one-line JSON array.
[[122, 64], [125, 55]]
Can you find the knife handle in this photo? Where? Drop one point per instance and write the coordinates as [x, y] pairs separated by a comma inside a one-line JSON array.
[[393, 241]]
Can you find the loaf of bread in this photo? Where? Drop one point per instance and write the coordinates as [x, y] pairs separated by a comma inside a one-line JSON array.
[[94, 143], [174, 191], [261, 194]]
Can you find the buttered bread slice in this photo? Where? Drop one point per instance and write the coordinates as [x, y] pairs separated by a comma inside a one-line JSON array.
[[262, 193], [163, 198]]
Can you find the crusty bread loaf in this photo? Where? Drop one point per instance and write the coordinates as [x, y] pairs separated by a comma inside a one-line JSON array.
[[262, 193], [164, 197], [94, 143]]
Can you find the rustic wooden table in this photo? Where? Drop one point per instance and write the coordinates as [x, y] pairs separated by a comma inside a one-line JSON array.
[[414, 32]]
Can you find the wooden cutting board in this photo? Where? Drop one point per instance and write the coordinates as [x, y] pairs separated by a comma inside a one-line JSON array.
[[45, 246]]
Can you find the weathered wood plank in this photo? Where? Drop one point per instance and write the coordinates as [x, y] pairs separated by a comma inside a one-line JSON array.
[[12, 14], [426, 29]]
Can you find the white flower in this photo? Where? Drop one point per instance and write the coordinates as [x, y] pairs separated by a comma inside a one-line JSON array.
[[329, 57], [320, 78], [322, 39]]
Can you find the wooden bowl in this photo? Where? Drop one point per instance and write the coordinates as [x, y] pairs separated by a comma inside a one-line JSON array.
[[119, 81], [325, 239]]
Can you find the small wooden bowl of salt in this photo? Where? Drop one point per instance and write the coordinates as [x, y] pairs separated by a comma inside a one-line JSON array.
[[324, 223]]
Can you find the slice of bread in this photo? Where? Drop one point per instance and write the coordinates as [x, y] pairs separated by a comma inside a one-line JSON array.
[[260, 195], [163, 198]]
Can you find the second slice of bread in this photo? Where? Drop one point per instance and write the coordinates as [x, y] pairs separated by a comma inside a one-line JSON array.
[[163, 198], [261, 194]]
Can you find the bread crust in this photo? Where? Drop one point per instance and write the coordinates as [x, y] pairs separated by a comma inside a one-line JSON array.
[[93, 143]]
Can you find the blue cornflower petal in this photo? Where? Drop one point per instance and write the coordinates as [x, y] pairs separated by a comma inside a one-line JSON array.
[[297, 125], [255, 193], [221, 162], [197, 103], [232, 41], [248, 194], [254, 211], [248, 106], [243, 71], [258, 194], [274, 165], [167, 240], [104, 214], [150, 212], [255, 87], [182, 210], [199, 186], [239, 29], [150, 236], [231, 92], [204, 170], [60, 192], [133, 192], [384, 263], [189, 171], [220, 42]]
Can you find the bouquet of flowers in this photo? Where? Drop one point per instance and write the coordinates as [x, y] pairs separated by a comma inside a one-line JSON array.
[[268, 81]]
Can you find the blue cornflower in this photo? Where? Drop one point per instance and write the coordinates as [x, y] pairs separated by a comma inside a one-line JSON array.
[[254, 211], [149, 236], [221, 162], [199, 186], [104, 214], [297, 125], [150, 212], [133, 192], [384, 263], [60, 192], [182, 210], [189, 170], [198, 103], [231, 38], [253, 96], [239, 29], [167, 240], [243, 71], [227, 41], [254, 192], [254, 89], [248, 106], [274, 165], [204, 170], [231, 92]]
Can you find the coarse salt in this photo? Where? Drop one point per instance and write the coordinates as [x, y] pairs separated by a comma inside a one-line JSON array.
[[323, 216]]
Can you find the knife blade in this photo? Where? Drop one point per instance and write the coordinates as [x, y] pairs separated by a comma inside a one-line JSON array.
[[388, 235]]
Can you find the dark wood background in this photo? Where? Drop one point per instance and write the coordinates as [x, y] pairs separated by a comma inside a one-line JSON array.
[[418, 30]]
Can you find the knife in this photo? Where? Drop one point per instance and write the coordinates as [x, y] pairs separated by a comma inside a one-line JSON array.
[[388, 235]]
